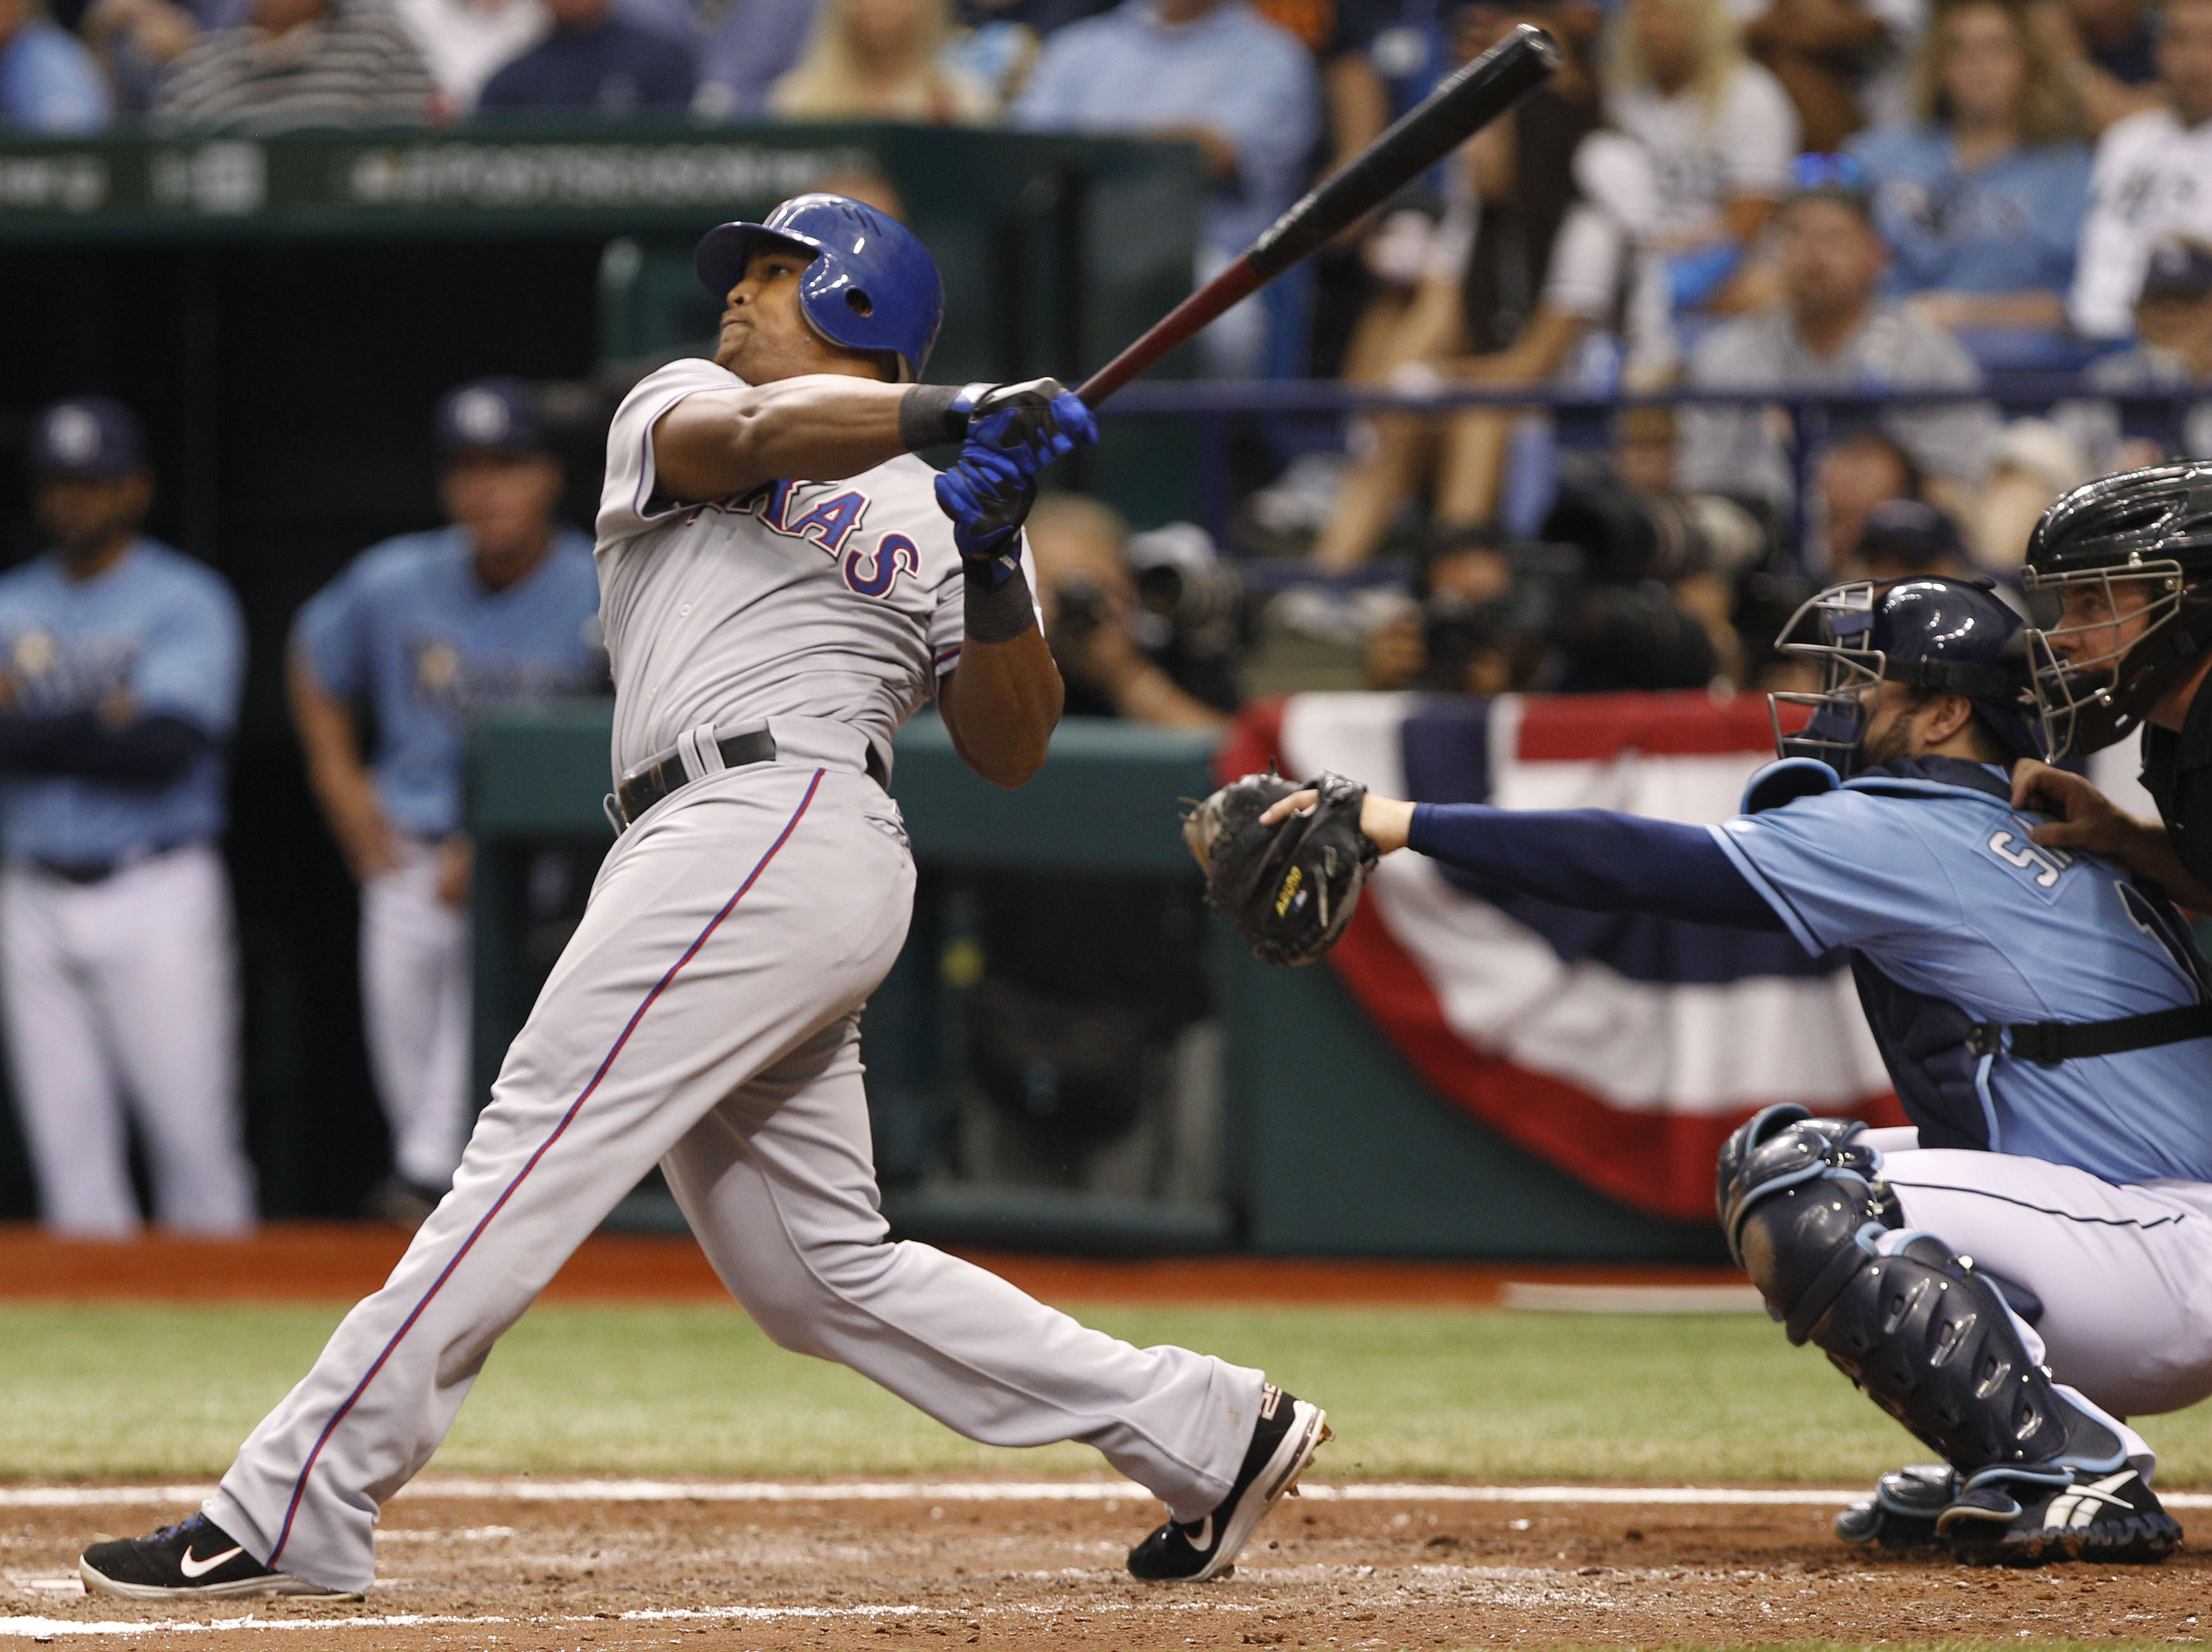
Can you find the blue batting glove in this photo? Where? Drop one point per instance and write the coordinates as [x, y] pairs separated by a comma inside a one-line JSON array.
[[987, 496]]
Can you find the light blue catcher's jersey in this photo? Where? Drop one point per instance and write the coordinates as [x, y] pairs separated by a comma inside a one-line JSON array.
[[408, 631], [1939, 887], [157, 625]]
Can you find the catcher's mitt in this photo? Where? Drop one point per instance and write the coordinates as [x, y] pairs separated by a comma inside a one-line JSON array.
[[1289, 888]]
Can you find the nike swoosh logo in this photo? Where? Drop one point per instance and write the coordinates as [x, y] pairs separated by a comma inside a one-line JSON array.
[[192, 1567], [1202, 1539]]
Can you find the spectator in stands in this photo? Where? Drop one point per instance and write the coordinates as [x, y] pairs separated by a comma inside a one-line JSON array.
[[882, 60], [2106, 49], [136, 39], [595, 63], [996, 41], [1465, 307], [1719, 132], [1214, 72], [2172, 351], [1120, 656], [744, 46], [49, 82], [1982, 201], [2150, 185], [1857, 473], [463, 42], [1830, 329], [299, 62], [1821, 53]]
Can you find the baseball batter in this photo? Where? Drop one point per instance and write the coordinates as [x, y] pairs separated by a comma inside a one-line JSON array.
[[781, 589], [121, 662], [2023, 1267]]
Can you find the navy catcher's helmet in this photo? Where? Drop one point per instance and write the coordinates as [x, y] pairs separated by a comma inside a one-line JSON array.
[[2129, 556], [872, 286], [1952, 636]]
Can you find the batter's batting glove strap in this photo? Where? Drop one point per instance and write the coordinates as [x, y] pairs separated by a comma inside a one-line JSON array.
[[930, 416]]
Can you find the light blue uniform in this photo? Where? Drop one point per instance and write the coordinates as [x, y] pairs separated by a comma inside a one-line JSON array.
[[117, 975], [409, 630], [158, 625], [2085, 1182], [1939, 887]]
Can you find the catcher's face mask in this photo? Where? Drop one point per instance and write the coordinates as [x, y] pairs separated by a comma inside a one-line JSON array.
[[1834, 631], [2081, 663]]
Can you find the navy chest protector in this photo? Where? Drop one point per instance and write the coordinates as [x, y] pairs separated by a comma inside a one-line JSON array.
[[1932, 1048]]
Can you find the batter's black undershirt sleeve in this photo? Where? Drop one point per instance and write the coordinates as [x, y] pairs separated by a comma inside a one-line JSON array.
[[1594, 861], [152, 751]]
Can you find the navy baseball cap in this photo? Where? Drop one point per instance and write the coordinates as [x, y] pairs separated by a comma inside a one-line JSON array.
[[493, 415], [91, 436]]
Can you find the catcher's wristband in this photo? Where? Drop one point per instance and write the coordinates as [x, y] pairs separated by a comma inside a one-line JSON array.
[[931, 416], [1001, 612]]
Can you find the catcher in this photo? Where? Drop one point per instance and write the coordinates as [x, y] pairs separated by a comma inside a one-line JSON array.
[[2043, 1018]]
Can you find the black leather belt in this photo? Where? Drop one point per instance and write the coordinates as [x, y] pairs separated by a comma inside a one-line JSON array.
[[645, 785], [84, 874]]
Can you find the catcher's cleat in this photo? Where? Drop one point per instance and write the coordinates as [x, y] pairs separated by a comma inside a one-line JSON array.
[[193, 1559], [1284, 1440], [1901, 1513], [2025, 1517]]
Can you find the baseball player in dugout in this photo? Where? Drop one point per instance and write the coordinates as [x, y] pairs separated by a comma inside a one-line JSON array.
[[2020, 1268], [420, 633], [782, 584], [120, 667]]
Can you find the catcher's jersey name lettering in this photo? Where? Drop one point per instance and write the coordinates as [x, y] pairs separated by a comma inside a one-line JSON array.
[[2014, 847]]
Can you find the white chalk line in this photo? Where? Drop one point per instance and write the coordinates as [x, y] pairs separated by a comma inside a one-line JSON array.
[[641, 1491], [49, 1628]]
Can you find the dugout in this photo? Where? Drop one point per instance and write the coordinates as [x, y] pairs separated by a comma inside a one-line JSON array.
[[284, 312]]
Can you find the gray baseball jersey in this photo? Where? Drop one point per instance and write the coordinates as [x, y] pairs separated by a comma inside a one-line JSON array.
[[839, 600]]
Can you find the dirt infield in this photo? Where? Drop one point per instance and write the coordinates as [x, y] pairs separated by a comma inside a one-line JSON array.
[[310, 1261], [517, 1574]]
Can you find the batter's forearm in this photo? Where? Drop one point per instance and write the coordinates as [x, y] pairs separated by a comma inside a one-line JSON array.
[[1000, 705], [818, 428]]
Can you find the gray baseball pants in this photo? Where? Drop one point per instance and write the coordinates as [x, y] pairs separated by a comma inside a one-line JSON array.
[[704, 1017]]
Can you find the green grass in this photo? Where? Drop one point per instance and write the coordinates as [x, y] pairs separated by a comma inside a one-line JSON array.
[[169, 1392]]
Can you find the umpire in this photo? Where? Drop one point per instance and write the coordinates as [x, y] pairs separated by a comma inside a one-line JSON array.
[[418, 633], [120, 667], [2128, 561]]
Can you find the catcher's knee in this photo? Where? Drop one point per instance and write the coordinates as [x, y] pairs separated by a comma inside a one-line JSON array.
[[1799, 1207]]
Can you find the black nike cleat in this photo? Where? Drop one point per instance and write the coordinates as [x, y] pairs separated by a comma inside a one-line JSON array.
[[2026, 1517], [192, 1560], [1284, 1440], [1902, 1513]]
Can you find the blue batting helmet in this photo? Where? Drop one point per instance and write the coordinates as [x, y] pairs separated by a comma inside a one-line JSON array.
[[1950, 636], [872, 286]]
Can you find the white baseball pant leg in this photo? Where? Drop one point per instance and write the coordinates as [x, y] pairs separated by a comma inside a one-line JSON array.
[[2126, 1325], [127, 988], [414, 1000], [733, 934]]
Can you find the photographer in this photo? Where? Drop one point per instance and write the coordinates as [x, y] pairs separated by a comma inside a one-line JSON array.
[[1143, 629]]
